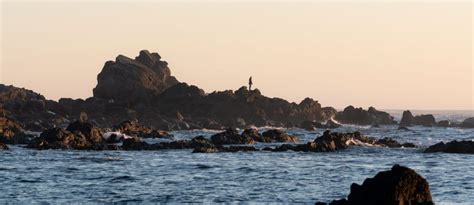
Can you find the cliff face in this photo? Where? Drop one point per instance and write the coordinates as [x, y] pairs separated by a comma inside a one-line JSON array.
[[134, 80]]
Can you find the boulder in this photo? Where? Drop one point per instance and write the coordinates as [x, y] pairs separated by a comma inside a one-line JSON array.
[[331, 124], [389, 142], [461, 147], [407, 119], [134, 80], [444, 123], [468, 123], [11, 132], [359, 116], [255, 135], [279, 136], [398, 186], [231, 136]]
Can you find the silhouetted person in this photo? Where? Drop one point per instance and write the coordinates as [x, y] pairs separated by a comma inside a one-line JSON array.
[[250, 83]]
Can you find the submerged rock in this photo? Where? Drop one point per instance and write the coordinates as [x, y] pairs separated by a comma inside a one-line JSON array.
[[398, 186], [461, 147]]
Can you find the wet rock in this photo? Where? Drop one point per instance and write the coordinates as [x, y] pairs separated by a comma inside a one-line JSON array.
[[331, 124], [310, 125], [461, 147], [279, 136], [407, 119], [359, 116], [468, 123], [133, 128], [11, 132], [255, 135], [389, 142], [134, 80], [231, 136], [3, 146], [403, 128], [400, 186]]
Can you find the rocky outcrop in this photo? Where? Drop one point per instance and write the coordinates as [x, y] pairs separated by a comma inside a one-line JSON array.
[[359, 116], [78, 135], [231, 136], [421, 120], [133, 128], [29, 109], [468, 123], [398, 186], [461, 147], [136, 80], [333, 141]]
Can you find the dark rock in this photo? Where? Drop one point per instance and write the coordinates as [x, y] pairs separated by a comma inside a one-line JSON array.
[[462, 147], [331, 124], [133, 128], [443, 123], [400, 185], [359, 116], [279, 136], [424, 120], [3, 146], [9, 130], [407, 119], [134, 80], [231, 136], [389, 142], [253, 133], [310, 125], [468, 123]]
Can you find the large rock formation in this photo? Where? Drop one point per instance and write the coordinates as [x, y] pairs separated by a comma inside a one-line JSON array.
[[422, 120], [31, 110], [398, 186], [461, 147], [136, 80], [359, 116]]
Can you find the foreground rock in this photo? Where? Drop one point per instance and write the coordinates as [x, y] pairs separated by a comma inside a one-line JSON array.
[[333, 141], [359, 116], [461, 147], [398, 186]]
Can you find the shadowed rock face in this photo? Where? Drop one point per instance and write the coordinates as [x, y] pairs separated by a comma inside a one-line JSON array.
[[359, 116], [134, 80], [398, 186], [423, 120], [468, 123]]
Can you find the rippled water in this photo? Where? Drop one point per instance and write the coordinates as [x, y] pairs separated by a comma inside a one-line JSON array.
[[55, 176]]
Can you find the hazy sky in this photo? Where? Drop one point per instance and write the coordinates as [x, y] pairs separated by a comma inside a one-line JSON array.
[[392, 55]]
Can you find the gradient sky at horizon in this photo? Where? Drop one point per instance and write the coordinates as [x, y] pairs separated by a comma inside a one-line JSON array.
[[391, 55]]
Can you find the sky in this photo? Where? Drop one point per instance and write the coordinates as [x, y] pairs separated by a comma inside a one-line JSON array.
[[387, 54]]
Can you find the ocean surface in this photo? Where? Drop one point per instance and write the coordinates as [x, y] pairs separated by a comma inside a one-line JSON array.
[[179, 176]]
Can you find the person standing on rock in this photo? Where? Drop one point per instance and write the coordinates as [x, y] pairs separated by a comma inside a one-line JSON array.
[[250, 83]]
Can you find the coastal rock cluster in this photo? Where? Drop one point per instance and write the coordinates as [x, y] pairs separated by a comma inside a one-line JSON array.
[[398, 186]]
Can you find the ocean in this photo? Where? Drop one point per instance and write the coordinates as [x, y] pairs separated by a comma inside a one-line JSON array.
[[179, 176]]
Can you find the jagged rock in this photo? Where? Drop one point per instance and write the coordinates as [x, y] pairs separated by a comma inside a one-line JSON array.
[[134, 80], [359, 116], [331, 124], [468, 123], [279, 136], [3, 146], [398, 186], [9, 130], [231, 136], [462, 147], [389, 142]]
